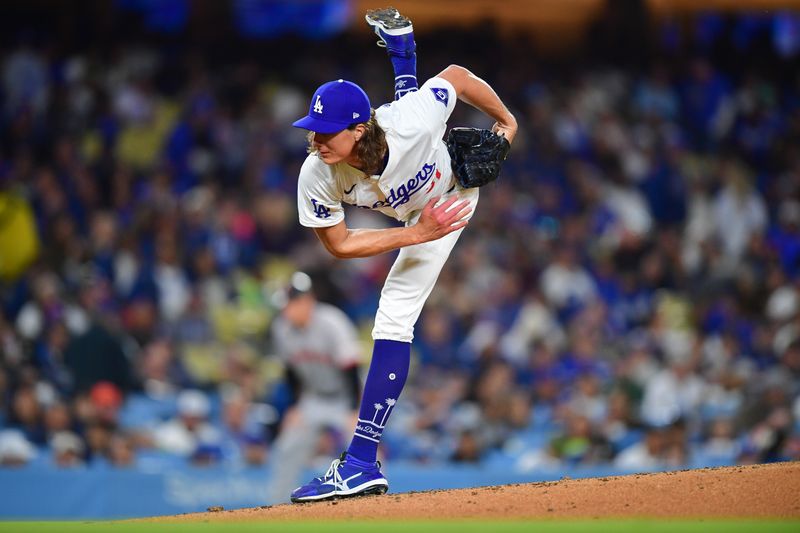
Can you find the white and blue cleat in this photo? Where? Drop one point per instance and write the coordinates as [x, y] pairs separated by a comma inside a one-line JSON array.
[[394, 31], [344, 478]]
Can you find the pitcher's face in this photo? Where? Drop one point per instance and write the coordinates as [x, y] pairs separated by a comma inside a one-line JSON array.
[[336, 147]]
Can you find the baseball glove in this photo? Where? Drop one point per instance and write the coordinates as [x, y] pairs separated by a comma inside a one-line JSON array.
[[476, 155]]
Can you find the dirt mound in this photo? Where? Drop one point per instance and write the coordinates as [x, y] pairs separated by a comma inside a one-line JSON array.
[[756, 491]]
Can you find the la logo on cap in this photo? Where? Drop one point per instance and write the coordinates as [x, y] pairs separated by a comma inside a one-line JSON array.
[[345, 104]]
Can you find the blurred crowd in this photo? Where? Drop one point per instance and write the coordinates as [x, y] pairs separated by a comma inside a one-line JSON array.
[[628, 292]]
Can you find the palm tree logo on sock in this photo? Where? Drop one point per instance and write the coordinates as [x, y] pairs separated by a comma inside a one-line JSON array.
[[372, 429], [390, 402], [378, 407]]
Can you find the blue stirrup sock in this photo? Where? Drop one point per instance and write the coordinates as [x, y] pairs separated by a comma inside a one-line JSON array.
[[385, 380], [405, 74]]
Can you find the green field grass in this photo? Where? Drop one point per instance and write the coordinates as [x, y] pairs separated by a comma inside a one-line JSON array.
[[616, 526]]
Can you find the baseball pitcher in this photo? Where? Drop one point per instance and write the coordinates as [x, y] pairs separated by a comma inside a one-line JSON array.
[[393, 160]]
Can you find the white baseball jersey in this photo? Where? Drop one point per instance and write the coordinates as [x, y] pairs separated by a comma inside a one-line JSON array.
[[417, 170], [320, 351]]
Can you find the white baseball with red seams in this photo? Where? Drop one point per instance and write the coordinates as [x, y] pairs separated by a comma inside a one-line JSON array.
[[418, 169]]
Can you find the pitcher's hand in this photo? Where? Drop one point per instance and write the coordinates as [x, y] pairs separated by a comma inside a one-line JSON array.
[[437, 221]]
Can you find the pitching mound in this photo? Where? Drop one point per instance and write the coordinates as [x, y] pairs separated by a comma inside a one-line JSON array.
[[758, 491]]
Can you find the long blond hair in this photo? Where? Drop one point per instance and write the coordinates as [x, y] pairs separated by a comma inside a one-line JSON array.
[[370, 148]]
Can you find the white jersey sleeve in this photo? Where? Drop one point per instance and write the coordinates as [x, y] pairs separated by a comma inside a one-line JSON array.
[[431, 105], [319, 200]]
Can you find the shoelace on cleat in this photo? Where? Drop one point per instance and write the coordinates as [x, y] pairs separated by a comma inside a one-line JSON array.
[[333, 472]]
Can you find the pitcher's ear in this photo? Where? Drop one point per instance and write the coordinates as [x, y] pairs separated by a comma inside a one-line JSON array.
[[359, 131]]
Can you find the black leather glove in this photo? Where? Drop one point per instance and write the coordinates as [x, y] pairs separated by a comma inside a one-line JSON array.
[[476, 155]]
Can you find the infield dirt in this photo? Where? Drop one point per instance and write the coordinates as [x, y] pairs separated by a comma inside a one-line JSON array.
[[756, 491]]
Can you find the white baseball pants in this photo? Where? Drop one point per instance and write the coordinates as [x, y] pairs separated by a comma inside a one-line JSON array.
[[412, 277]]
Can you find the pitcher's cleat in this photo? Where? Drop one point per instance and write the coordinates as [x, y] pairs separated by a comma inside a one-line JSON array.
[[346, 477], [394, 31]]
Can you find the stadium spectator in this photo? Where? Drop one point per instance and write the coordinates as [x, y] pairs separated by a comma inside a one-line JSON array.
[[67, 450], [26, 415], [190, 429], [645, 455], [57, 418], [244, 428], [15, 449], [121, 451]]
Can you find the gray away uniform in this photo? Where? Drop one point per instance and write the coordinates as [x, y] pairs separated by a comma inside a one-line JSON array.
[[322, 357]]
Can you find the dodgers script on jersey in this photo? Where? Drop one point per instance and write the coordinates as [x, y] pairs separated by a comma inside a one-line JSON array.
[[418, 167]]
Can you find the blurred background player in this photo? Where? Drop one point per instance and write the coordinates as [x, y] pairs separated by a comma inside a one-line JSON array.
[[319, 345]]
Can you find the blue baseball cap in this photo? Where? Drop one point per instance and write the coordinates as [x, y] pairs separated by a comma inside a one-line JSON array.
[[335, 106]]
